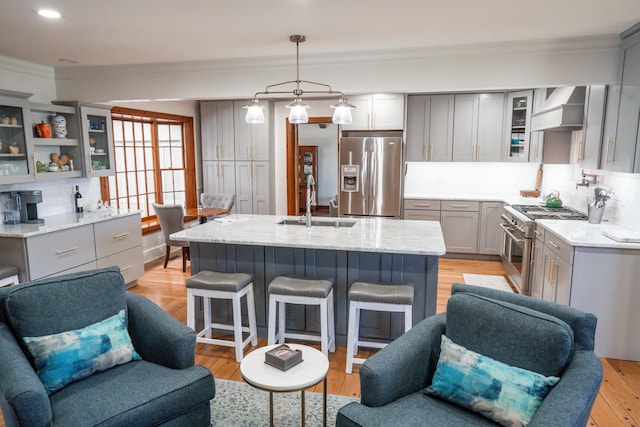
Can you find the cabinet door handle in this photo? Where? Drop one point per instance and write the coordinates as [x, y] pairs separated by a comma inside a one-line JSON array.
[[549, 267], [506, 152], [35, 168], [64, 251], [554, 244], [459, 206], [533, 151], [129, 267], [121, 235], [425, 151], [430, 151], [606, 156], [422, 205], [579, 153]]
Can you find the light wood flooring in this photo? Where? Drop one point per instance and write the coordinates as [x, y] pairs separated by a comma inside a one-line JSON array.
[[618, 403]]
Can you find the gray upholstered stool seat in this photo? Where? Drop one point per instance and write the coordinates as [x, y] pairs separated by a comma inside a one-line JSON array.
[[392, 297], [390, 294], [8, 275], [216, 281], [216, 285], [294, 290], [283, 285]]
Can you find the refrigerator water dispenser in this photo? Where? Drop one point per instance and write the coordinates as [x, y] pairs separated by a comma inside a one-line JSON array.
[[350, 178]]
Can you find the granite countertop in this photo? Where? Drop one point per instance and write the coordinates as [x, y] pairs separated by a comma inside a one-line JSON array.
[[582, 233], [62, 222], [367, 235]]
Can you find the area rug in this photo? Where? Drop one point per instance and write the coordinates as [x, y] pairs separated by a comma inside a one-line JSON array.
[[487, 281], [239, 404]]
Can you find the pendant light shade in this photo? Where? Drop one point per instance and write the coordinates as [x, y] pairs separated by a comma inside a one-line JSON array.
[[342, 114], [255, 115], [298, 113]]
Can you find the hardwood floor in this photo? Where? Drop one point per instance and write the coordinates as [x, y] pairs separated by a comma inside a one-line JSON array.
[[618, 402]]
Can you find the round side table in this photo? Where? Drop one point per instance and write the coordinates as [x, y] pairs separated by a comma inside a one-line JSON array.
[[311, 371]]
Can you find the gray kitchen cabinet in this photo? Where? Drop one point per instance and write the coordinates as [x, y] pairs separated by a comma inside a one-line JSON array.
[[518, 124], [536, 139], [620, 151], [489, 231], [459, 222], [553, 276], [119, 242], [421, 209], [477, 127], [217, 130], [588, 150], [377, 112], [16, 164], [253, 188], [251, 140], [219, 177], [465, 127], [430, 128], [97, 135]]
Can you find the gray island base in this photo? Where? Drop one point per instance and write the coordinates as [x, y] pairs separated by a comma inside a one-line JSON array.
[[373, 249]]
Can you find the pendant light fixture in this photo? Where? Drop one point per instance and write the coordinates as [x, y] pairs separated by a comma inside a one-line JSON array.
[[298, 109]]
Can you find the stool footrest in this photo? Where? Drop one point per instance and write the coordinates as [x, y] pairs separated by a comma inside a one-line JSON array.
[[371, 344]]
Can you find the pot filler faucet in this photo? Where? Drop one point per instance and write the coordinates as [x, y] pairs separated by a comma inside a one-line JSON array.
[[311, 197]]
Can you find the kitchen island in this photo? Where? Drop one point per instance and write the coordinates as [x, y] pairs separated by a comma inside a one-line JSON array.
[[368, 249]]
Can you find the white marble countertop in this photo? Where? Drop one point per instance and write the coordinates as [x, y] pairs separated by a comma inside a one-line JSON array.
[[367, 235], [62, 222], [582, 233]]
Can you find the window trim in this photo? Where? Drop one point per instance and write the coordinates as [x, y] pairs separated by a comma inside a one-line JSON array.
[[150, 223]]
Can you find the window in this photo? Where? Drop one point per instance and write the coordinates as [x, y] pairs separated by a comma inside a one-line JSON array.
[[154, 162]]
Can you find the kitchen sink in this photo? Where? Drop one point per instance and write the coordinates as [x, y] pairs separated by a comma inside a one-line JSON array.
[[336, 223]]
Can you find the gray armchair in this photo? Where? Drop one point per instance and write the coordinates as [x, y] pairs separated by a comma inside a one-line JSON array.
[[171, 219], [222, 201], [393, 381], [164, 388]]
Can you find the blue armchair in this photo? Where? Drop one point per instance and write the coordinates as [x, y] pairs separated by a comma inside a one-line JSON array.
[[164, 388], [510, 328]]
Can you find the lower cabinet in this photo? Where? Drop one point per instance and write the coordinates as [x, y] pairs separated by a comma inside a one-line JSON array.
[[468, 226], [252, 188], [557, 260], [115, 241]]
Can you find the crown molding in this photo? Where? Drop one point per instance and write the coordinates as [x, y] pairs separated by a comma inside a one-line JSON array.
[[549, 46], [24, 67]]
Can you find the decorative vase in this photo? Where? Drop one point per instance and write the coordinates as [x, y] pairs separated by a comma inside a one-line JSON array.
[[59, 123]]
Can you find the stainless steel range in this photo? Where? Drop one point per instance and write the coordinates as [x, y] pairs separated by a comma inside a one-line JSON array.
[[518, 232]]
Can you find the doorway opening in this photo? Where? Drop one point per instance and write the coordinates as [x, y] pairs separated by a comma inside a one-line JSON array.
[[322, 161]]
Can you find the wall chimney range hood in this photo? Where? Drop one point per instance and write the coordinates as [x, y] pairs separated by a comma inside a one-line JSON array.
[[562, 111]]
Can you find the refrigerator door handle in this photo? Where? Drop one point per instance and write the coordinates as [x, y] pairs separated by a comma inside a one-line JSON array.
[[373, 173]]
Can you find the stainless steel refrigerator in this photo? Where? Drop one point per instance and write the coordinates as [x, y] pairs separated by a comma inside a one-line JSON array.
[[370, 176]]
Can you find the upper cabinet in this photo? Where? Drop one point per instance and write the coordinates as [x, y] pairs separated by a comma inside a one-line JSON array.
[[251, 140], [518, 125], [589, 143], [216, 122], [429, 128], [15, 151], [620, 149], [477, 127], [377, 112]]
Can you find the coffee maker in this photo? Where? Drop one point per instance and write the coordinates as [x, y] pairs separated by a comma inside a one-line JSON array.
[[29, 200], [10, 203]]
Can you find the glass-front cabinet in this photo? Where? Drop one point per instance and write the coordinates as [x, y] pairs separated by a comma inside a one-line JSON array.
[[98, 135], [519, 124], [57, 148], [15, 151]]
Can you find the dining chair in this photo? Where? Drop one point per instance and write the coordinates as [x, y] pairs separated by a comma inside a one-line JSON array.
[[171, 219]]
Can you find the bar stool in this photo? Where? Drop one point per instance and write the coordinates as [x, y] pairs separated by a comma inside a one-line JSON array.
[[293, 290], [8, 275], [232, 286], [376, 297]]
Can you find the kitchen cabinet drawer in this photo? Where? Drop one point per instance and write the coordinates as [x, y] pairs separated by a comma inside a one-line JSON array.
[[84, 267], [128, 261], [61, 250], [558, 246], [460, 205], [117, 235], [422, 204], [422, 215]]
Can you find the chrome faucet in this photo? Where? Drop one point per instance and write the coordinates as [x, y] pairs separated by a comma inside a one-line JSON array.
[[311, 197]]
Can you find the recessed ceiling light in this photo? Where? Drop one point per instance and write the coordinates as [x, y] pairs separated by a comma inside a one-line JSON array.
[[48, 13]]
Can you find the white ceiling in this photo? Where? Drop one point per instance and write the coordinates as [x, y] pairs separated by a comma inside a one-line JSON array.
[[112, 32]]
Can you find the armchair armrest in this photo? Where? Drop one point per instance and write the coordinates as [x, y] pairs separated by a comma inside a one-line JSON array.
[[157, 336], [404, 366], [24, 400], [569, 403]]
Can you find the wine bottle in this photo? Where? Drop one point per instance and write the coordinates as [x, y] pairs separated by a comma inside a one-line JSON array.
[[78, 199]]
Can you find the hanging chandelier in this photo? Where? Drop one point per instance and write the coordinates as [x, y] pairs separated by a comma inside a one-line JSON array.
[[298, 109]]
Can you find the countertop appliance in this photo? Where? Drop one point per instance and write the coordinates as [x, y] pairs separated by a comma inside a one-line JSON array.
[[370, 176], [518, 233], [29, 200], [11, 204]]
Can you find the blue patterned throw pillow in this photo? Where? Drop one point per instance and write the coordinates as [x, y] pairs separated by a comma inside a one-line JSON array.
[[506, 394], [69, 356]]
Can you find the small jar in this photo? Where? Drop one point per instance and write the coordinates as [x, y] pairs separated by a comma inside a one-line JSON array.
[[13, 121], [5, 120]]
